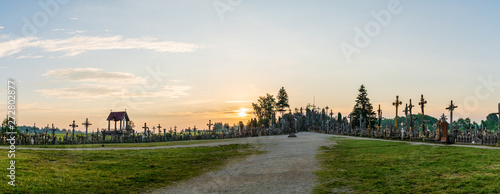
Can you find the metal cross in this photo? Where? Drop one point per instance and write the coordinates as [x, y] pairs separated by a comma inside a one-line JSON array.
[[73, 126], [210, 125]]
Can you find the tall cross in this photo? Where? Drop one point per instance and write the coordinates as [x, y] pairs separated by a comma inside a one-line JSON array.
[[53, 135], [210, 125], [175, 129], [397, 103], [159, 129], [34, 126], [194, 130], [87, 124], [451, 108], [422, 105], [73, 126], [379, 111], [145, 128], [411, 116]]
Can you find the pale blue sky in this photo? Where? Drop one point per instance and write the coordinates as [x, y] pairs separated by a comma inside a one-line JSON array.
[[437, 48]]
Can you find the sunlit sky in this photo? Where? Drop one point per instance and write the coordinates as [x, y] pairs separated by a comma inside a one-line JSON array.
[[182, 63]]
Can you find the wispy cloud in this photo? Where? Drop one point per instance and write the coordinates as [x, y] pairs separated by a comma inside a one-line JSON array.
[[1, 27], [73, 18], [93, 75], [94, 83], [80, 44], [72, 32], [29, 57]]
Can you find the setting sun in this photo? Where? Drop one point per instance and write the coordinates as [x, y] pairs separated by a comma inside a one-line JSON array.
[[242, 112]]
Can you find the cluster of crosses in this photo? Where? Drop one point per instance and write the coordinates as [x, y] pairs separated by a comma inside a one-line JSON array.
[[314, 120]]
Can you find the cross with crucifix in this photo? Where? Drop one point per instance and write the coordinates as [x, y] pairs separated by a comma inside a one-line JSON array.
[[451, 108], [210, 125], [73, 134], [397, 103], [145, 128], [422, 105], [86, 124], [159, 129]]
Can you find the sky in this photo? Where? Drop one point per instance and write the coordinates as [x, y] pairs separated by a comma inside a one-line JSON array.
[[182, 63]]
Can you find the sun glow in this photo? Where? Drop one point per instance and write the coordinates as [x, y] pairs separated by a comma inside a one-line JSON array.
[[242, 112]]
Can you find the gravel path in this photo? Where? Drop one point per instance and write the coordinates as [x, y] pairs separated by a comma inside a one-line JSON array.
[[286, 168]]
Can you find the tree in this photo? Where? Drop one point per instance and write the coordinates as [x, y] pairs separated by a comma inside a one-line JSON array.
[[265, 108], [282, 98], [363, 107]]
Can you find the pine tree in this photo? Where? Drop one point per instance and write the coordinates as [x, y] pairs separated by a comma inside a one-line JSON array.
[[364, 108]]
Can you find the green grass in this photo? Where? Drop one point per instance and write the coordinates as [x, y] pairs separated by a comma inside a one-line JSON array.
[[118, 145], [123, 171], [362, 166]]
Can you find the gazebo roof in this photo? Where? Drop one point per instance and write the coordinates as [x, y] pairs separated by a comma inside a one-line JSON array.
[[118, 116]]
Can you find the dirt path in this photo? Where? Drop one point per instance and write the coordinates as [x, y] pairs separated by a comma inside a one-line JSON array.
[[286, 168]]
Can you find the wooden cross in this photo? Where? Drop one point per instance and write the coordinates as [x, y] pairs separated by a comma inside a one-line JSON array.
[[159, 128], [406, 110], [73, 126], [397, 103], [411, 116], [145, 128], [194, 130], [422, 105], [53, 135], [86, 124], [451, 108], [210, 125], [379, 111], [175, 129]]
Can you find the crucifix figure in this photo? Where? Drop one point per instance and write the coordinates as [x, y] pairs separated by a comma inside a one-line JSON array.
[[422, 105], [73, 133], [451, 108], [397, 103], [86, 128], [210, 125]]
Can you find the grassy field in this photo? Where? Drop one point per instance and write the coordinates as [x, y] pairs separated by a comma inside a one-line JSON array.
[[117, 145], [124, 171], [362, 166]]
